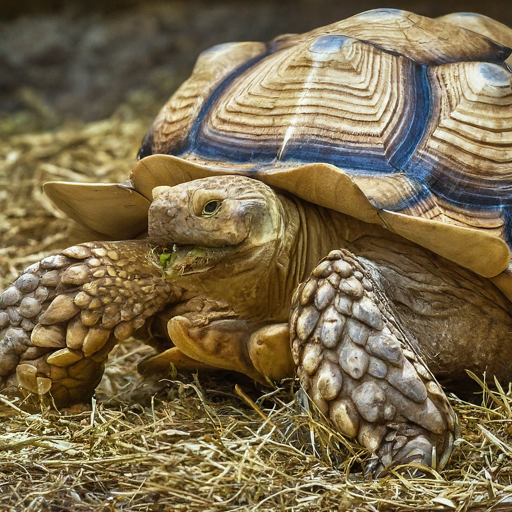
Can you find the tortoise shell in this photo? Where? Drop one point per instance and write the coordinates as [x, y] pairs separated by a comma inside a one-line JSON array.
[[390, 117]]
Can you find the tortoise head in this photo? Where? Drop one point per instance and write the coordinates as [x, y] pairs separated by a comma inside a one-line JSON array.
[[231, 223]]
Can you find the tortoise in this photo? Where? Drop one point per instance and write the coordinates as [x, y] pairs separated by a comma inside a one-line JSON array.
[[335, 203]]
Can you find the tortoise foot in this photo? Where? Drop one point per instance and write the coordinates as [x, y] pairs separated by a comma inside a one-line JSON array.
[[269, 350], [61, 318], [360, 371], [405, 444]]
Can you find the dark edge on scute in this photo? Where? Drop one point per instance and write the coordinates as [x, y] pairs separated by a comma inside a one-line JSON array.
[[419, 121], [506, 214], [342, 157], [500, 54], [421, 195], [189, 142], [146, 148]]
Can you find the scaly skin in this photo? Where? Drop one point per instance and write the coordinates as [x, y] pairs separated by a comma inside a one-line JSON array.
[[61, 318]]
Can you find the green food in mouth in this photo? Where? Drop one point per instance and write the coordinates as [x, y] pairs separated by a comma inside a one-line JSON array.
[[185, 260], [166, 258]]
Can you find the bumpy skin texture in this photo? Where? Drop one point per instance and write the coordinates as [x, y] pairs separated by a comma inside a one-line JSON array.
[[61, 318], [360, 370]]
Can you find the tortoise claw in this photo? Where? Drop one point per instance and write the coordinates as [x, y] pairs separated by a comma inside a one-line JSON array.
[[161, 363]]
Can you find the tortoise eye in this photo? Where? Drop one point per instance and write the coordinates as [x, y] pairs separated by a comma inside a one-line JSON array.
[[211, 208]]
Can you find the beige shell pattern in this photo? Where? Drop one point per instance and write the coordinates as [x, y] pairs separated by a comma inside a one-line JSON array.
[[390, 117]]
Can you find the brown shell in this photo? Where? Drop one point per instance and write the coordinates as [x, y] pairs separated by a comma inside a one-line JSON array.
[[393, 118]]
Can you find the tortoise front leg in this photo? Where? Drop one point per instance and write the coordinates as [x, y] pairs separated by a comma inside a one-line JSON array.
[[63, 315], [359, 369]]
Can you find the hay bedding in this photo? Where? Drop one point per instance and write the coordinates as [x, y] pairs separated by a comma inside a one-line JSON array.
[[195, 443]]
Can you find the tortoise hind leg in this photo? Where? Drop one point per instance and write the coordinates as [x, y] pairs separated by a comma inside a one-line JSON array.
[[360, 370], [221, 343], [262, 352], [63, 315]]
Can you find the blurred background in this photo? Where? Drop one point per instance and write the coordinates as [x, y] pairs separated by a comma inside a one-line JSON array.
[[82, 59]]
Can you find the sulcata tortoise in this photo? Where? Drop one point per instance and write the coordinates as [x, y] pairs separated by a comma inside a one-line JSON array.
[[336, 203]]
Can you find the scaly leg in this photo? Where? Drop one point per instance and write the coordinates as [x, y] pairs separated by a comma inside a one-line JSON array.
[[359, 369], [63, 315]]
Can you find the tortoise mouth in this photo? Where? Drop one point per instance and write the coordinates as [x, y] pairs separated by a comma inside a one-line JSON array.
[[186, 260]]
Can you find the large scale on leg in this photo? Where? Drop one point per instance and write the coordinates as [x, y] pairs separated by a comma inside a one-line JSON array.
[[383, 141]]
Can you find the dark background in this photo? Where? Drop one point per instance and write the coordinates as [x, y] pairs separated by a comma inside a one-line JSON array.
[[64, 59]]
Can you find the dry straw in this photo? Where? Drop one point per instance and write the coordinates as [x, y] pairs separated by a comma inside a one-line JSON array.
[[197, 443]]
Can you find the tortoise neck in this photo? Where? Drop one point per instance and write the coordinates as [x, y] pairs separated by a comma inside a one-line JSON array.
[[320, 231], [309, 233], [305, 233], [282, 275]]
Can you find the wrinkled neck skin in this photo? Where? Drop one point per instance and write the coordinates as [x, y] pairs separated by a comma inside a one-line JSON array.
[[320, 231]]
